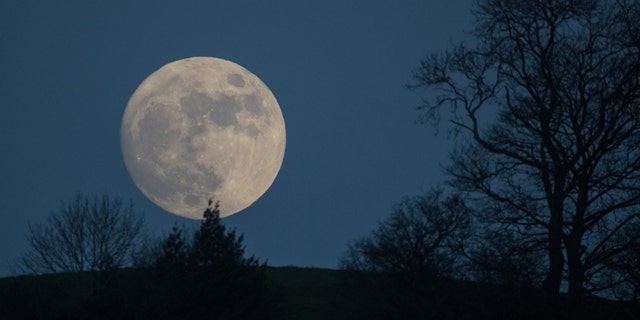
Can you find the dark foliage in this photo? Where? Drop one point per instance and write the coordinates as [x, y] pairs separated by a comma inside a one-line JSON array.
[[209, 278], [213, 245], [175, 250]]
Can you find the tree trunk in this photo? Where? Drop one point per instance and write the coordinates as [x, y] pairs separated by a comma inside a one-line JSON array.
[[574, 263], [576, 276], [551, 283]]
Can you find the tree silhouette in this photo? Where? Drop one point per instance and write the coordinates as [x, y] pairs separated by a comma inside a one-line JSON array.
[[208, 275], [624, 269], [86, 233], [406, 263], [175, 250], [213, 245], [502, 257], [420, 237], [548, 95]]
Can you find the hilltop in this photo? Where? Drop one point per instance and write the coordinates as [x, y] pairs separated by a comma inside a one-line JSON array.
[[297, 293]]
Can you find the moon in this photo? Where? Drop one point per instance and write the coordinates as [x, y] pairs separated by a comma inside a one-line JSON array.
[[202, 128]]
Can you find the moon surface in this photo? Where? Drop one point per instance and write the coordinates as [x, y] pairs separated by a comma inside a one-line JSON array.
[[203, 128]]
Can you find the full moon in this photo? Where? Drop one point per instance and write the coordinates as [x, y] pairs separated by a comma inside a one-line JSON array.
[[202, 128]]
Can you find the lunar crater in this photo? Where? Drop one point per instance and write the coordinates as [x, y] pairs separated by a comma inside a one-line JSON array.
[[235, 80]]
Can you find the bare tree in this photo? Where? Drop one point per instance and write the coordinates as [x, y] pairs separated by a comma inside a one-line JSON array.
[[420, 237], [86, 233], [548, 95], [501, 256], [408, 261], [623, 270]]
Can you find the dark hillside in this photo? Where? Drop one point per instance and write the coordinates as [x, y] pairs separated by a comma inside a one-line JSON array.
[[291, 293], [310, 293]]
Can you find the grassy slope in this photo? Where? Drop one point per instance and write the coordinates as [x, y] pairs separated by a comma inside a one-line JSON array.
[[300, 293], [312, 293]]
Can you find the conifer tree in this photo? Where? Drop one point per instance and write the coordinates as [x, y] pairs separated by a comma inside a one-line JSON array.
[[213, 245]]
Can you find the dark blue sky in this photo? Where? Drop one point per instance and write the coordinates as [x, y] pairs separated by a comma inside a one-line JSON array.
[[337, 68]]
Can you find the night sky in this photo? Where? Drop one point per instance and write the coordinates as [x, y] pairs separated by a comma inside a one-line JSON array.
[[337, 68]]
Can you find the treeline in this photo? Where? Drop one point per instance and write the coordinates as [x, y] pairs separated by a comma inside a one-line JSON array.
[[434, 258], [92, 242]]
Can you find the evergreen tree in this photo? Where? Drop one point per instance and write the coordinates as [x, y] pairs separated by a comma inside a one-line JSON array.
[[175, 250], [213, 245], [206, 276]]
